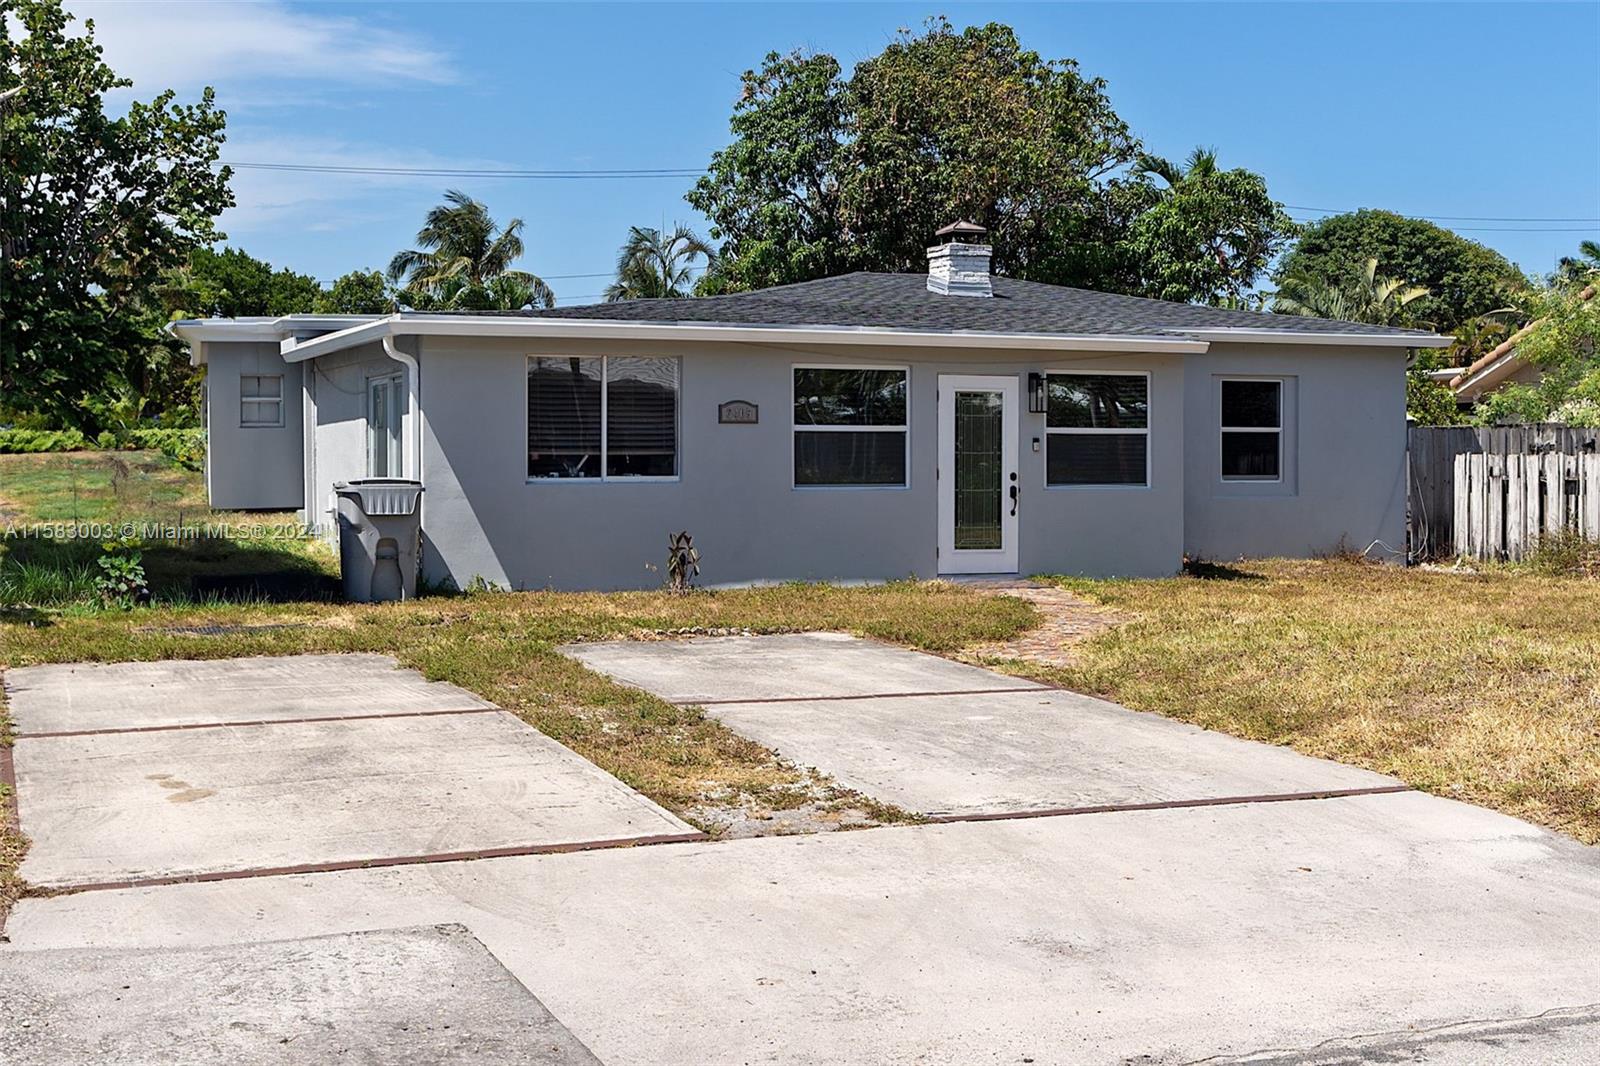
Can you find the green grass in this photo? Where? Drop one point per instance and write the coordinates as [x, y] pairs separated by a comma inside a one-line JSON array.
[[1483, 687], [239, 554]]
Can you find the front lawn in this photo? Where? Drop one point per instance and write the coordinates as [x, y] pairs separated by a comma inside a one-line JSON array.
[[1481, 687]]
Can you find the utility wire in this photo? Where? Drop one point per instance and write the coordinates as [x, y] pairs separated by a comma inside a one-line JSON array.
[[1445, 218], [453, 172]]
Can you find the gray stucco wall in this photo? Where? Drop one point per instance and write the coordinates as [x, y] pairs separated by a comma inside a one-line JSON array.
[[1344, 454], [251, 468], [338, 386], [483, 518]]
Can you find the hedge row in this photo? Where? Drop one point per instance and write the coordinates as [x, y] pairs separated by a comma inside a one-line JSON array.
[[184, 445]]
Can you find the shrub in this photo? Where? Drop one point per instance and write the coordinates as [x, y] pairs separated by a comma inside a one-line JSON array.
[[27, 441], [121, 582]]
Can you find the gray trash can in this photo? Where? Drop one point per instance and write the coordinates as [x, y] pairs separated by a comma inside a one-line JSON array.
[[379, 533]]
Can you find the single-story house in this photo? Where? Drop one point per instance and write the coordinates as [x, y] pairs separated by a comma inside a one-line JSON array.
[[865, 426]]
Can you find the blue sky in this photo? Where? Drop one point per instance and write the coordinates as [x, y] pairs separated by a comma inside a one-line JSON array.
[[1484, 110]]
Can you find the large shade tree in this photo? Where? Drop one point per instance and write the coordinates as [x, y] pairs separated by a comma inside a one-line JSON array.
[[1207, 233], [96, 210], [656, 265], [828, 173], [1463, 278], [463, 261]]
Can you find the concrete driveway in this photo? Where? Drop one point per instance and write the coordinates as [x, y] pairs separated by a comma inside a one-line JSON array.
[[949, 740], [142, 772], [1108, 888]]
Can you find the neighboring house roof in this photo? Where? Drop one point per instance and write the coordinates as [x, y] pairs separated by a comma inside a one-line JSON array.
[[861, 308], [1500, 364]]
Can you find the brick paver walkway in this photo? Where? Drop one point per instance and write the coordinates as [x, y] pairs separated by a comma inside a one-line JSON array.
[[1066, 620]]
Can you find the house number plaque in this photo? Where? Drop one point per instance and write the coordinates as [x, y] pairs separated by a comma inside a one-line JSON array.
[[738, 413]]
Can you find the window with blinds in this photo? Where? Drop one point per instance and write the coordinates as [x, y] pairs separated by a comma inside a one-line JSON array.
[[1097, 429], [850, 426], [260, 401], [602, 417]]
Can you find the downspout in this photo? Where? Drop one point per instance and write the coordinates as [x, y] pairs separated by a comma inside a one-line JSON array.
[[411, 444]]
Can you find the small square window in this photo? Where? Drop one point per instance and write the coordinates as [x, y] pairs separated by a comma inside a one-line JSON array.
[[260, 401]]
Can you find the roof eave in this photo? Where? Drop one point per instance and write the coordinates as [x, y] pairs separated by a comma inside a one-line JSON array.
[[1352, 340], [609, 329]]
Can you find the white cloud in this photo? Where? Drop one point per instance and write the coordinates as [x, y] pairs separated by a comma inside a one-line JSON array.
[[187, 45]]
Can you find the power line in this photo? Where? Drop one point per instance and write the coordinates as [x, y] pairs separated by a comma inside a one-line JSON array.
[[462, 172], [1445, 218]]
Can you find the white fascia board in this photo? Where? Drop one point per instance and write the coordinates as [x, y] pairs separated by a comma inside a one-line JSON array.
[[368, 332], [576, 329], [1348, 340]]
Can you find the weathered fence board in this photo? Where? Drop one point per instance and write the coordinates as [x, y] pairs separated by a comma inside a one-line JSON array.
[[1505, 504], [1432, 491]]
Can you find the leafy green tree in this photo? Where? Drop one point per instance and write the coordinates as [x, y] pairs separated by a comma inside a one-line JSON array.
[[1210, 232], [1428, 402], [1463, 278], [773, 195], [463, 262], [828, 174], [360, 292], [953, 125], [656, 265], [1368, 297], [233, 283], [1563, 341], [95, 211]]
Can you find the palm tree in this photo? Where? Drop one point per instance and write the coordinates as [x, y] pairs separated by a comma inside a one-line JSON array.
[[463, 262], [654, 266], [1201, 164], [1375, 300], [1581, 267]]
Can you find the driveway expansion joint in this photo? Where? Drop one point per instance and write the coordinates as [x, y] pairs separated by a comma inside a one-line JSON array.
[[183, 726], [341, 865], [1165, 805], [869, 696]]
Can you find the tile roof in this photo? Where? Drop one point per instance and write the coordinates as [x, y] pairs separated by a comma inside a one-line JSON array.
[[902, 301]]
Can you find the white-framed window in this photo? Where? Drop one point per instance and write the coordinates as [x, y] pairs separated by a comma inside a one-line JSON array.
[[850, 426], [260, 401], [602, 418], [1097, 428], [1251, 418], [385, 416]]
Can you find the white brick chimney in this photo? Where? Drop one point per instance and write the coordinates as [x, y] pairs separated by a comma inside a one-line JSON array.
[[958, 264]]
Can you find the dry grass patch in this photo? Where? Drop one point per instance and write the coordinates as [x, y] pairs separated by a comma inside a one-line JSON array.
[[1482, 687]]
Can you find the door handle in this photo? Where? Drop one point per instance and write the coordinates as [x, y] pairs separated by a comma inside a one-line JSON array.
[[1015, 492]]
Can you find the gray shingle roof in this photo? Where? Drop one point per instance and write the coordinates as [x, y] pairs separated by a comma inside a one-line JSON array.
[[902, 301]]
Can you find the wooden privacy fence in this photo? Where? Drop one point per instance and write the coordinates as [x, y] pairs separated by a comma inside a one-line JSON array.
[[1504, 504], [1432, 452]]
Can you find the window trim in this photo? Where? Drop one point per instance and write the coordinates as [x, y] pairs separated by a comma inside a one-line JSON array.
[[396, 380], [605, 478], [243, 399], [1149, 460], [795, 428], [1224, 430]]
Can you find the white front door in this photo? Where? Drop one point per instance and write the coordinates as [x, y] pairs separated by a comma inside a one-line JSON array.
[[979, 495]]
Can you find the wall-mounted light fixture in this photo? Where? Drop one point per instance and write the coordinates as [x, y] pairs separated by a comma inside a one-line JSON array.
[[1036, 397]]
